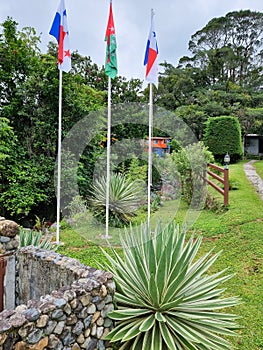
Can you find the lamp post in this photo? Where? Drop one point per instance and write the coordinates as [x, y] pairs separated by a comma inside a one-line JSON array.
[[226, 160], [226, 179]]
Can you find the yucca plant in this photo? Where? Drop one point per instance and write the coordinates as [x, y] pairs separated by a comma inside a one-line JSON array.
[[165, 298], [36, 239], [125, 197]]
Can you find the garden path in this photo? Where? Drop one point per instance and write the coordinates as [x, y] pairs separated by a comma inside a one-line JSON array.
[[253, 177]]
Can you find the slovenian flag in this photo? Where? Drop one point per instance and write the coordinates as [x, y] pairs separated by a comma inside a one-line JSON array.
[[59, 30], [150, 59]]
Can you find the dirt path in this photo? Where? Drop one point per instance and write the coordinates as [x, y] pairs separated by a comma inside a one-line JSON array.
[[253, 177]]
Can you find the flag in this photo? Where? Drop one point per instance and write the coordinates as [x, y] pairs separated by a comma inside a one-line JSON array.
[[150, 59], [110, 37], [59, 30]]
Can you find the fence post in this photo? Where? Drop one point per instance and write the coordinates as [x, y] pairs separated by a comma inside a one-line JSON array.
[[226, 186], [2, 276]]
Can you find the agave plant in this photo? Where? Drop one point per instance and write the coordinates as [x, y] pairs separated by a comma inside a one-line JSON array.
[[165, 298], [36, 239], [125, 197]]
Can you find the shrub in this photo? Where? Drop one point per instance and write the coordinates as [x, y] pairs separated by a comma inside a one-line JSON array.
[[165, 298], [76, 206], [222, 135], [191, 163]]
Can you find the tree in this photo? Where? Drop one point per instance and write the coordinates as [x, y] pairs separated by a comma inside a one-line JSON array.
[[29, 101], [229, 48], [251, 120], [175, 87], [194, 117], [123, 90]]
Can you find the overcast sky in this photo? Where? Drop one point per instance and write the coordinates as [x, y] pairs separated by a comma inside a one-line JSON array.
[[175, 22]]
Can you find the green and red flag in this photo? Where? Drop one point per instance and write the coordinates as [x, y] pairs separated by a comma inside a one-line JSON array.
[[110, 37]]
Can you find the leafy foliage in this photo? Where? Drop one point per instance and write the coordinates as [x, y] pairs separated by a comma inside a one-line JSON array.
[[165, 298]]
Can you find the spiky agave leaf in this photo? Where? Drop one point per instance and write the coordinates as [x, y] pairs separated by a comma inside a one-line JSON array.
[[36, 239], [165, 297], [125, 197]]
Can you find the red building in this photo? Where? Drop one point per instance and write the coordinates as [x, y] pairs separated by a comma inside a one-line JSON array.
[[160, 145]]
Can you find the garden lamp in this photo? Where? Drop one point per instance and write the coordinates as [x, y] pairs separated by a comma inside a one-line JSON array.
[[226, 160]]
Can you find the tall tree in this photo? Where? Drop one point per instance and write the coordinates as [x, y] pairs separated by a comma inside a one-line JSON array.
[[29, 101], [229, 48]]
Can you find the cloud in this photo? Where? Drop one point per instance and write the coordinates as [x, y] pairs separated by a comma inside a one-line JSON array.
[[175, 22]]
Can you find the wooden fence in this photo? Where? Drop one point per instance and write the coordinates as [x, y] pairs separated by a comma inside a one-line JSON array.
[[224, 180]]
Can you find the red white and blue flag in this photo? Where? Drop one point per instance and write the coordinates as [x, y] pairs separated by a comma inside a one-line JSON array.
[[150, 59], [59, 30]]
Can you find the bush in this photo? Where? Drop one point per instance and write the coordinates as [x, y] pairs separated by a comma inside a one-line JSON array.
[[222, 135], [165, 297], [191, 163]]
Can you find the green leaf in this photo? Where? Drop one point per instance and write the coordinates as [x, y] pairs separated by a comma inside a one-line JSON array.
[[154, 291], [157, 342], [148, 323], [161, 273], [125, 314], [167, 336], [146, 345], [133, 331], [160, 317]]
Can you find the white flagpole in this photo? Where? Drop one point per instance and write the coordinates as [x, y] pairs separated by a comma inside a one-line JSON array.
[[150, 153], [108, 158], [59, 154]]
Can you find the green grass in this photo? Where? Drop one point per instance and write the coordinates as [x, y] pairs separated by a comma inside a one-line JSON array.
[[259, 168], [237, 231]]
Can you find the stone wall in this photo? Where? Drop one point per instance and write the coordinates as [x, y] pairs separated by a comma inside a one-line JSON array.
[[61, 304]]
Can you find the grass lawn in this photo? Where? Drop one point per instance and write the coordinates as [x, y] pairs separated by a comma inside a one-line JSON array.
[[259, 167], [237, 231]]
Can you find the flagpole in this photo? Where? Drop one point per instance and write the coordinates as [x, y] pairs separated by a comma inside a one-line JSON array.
[[150, 153], [108, 158], [59, 154]]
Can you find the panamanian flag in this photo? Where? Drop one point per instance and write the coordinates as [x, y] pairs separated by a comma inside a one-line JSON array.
[[59, 30], [150, 59]]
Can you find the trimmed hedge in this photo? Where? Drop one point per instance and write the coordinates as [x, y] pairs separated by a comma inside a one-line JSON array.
[[222, 135]]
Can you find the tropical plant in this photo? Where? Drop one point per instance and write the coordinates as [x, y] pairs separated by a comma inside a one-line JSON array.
[[125, 197], [36, 239], [165, 297]]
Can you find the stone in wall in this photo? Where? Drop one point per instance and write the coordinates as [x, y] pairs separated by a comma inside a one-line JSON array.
[[9, 239], [8, 228]]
